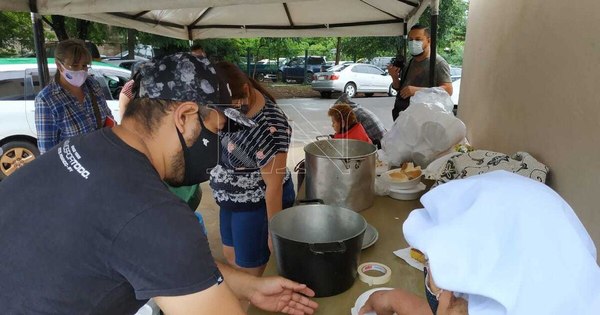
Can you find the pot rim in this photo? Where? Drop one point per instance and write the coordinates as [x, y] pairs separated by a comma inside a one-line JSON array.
[[356, 157], [362, 230]]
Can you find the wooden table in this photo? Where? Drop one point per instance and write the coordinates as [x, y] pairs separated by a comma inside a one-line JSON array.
[[387, 215]]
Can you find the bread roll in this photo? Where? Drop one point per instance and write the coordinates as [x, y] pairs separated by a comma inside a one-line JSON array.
[[417, 255], [398, 176]]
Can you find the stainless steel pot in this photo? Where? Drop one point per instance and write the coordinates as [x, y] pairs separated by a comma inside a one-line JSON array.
[[318, 245], [341, 172]]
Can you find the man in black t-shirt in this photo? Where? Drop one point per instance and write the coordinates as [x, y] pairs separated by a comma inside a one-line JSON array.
[[90, 227]]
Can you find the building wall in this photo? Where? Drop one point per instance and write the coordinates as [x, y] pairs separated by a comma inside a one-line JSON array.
[[530, 83]]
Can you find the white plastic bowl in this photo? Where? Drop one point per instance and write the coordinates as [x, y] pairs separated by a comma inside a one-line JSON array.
[[394, 184], [407, 194]]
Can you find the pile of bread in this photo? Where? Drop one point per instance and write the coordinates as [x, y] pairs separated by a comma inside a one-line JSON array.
[[406, 172]]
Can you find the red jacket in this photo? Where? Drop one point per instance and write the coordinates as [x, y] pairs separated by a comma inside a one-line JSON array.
[[357, 132]]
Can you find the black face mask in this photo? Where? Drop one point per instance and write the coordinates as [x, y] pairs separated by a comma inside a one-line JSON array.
[[200, 158]]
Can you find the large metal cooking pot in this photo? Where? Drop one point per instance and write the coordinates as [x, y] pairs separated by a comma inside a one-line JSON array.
[[341, 172], [318, 245]]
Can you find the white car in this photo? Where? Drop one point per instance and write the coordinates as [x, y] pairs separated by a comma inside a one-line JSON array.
[[353, 78], [19, 84], [455, 91]]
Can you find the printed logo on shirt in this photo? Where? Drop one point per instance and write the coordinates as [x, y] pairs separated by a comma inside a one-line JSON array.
[[70, 159], [205, 141]]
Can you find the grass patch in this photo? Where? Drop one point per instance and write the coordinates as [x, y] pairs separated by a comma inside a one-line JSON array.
[[284, 90]]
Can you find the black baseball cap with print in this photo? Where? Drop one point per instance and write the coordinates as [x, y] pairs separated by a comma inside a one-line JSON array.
[[185, 77]]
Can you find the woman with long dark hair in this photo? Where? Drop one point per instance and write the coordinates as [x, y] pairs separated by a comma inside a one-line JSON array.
[[251, 183]]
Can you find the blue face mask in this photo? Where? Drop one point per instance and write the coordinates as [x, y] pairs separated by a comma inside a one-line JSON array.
[[415, 47], [432, 299]]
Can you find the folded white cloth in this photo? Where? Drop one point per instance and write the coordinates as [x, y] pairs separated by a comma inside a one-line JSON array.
[[510, 244]]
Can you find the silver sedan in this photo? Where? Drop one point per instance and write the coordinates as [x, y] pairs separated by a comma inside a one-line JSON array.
[[353, 78]]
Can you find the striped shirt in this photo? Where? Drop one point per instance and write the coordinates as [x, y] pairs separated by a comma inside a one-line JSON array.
[[59, 115], [237, 178]]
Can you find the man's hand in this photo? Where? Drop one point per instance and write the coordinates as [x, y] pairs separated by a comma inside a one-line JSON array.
[[408, 91], [393, 71], [379, 303], [401, 302], [277, 294]]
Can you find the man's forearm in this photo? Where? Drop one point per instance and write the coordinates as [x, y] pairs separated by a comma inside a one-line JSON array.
[[239, 282]]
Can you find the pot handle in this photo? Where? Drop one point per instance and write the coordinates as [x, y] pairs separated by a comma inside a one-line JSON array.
[[309, 201], [324, 248], [348, 163], [323, 137]]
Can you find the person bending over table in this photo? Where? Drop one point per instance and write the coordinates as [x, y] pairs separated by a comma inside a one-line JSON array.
[[90, 227], [497, 244]]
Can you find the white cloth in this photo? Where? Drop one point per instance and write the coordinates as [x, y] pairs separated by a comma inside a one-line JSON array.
[[511, 244]]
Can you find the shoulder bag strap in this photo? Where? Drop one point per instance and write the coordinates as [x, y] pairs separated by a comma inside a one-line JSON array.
[[95, 107], [405, 72]]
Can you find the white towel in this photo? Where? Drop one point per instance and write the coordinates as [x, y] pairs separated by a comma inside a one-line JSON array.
[[511, 244]]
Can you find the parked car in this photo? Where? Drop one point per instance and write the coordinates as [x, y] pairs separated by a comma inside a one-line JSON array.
[[353, 78], [262, 70], [123, 63], [294, 69], [455, 92], [19, 85], [381, 62], [455, 73]]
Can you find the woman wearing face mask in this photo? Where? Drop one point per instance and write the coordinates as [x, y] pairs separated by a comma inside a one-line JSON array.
[[251, 183], [498, 244], [73, 103]]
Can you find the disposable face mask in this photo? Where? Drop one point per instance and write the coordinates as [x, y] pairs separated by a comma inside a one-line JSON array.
[[75, 78], [415, 47]]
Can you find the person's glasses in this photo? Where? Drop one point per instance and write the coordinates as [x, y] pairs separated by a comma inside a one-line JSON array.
[[77, 67]]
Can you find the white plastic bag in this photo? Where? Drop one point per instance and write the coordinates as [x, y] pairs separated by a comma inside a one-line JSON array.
[[433, 96], [423, 131]]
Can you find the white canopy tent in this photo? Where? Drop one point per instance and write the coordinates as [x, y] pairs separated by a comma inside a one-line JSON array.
[[198, 19]]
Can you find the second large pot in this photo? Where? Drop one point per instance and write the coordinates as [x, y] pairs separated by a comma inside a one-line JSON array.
[[318, 245], [341, 172]]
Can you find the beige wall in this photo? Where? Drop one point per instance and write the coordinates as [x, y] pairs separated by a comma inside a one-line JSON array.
[[531, 83]]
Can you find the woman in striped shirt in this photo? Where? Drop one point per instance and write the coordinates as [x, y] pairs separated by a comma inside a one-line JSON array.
[[251, 183]]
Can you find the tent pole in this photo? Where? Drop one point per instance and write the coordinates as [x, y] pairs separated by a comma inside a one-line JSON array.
[[404, 40], [38, 39], [435, 11]]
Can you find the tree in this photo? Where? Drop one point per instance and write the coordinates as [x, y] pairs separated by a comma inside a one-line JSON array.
[[369, 47], [16, 34], [452, 28]]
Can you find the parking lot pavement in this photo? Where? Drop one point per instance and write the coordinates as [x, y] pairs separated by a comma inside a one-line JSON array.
[[308, 118]]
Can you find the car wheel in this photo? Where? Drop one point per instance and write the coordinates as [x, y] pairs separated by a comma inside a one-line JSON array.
[[392, 91], [14, 155], [325, 94], [260, 77], [308, 78], [350, 89], [369, 94]]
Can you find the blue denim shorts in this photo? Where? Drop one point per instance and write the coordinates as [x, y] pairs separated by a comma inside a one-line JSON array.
[[247, 231]]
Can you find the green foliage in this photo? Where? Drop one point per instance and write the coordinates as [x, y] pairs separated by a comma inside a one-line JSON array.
[[354, 48], [452, 29], [16, 38], [16, 33]]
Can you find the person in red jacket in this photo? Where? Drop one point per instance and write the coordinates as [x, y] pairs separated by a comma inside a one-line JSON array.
[[345, 124]]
